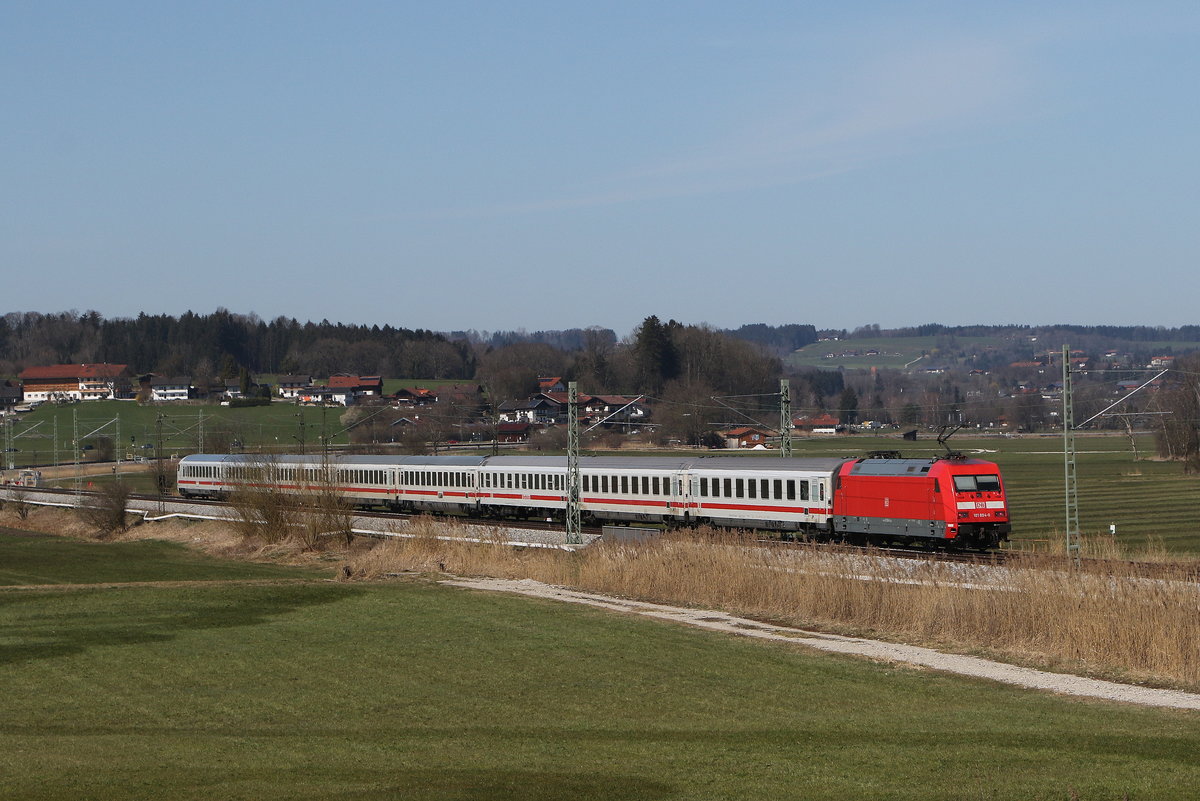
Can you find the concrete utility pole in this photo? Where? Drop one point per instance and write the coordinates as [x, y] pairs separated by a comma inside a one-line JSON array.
[[785, 418], [574, 484], [1071, 487]]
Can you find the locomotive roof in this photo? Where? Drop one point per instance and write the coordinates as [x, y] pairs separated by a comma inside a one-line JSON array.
[[903, 467]]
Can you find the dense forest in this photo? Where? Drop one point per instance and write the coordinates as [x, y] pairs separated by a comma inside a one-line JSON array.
[[222, 343]]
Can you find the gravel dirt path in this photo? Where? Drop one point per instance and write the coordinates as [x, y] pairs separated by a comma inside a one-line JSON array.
[[873, 649]]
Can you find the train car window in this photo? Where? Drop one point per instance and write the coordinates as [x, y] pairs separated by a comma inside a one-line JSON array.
[[779, 489], [654, 485], [635, 484], [791, 489], [804, 490], [604, 483], [964, 483], [703, 487], [739, 489], [766, 488], [624, 485], [752, 487], [988, 483], [822, 486], [645, 485]]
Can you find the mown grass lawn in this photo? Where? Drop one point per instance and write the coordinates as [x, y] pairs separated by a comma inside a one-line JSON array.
[[236, 687]]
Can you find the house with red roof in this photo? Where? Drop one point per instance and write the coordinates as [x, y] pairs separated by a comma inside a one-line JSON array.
[[60, 382], [745, 437]]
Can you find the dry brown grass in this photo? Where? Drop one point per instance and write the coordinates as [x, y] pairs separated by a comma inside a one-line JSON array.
[[1038, 610], [1041, 612]]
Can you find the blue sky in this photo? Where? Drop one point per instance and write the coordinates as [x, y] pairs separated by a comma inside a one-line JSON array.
[[539, 165]]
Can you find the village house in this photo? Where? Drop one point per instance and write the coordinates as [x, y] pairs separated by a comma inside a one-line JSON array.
[[418, 396], [63, 382], [165, 390], [10, 396], [745, 437], [513, 432], [291, 386], [824, 423]]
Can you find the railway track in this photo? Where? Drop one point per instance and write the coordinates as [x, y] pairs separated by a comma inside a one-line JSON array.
[[1188, 571]]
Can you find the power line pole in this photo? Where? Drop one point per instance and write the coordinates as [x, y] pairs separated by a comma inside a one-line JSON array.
[[8, 443], [574, 485], [75, 447], [1071, 486], [785, 418]]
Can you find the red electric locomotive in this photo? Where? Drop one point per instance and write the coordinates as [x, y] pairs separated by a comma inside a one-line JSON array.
[[953, 500]]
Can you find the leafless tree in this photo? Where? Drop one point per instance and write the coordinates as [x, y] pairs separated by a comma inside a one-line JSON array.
[[107, 510], [18, 499], [309, 514]]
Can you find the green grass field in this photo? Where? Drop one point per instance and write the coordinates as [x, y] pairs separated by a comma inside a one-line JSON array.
[[240, 685], [275, 427], [893, 352], [900, 352]]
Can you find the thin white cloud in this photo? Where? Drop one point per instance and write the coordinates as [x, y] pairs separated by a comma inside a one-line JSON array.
[[903, 101]]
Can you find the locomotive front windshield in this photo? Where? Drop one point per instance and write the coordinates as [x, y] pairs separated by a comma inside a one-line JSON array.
[[988, 483]]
